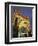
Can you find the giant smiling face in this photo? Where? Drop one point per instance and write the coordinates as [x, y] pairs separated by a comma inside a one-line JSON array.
[[24, 23]]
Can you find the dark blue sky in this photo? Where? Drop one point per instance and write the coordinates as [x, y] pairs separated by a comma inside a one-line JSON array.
[[26, 11]]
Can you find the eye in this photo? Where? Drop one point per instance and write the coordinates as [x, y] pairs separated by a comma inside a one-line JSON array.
[[25, 22], [21, 20]]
